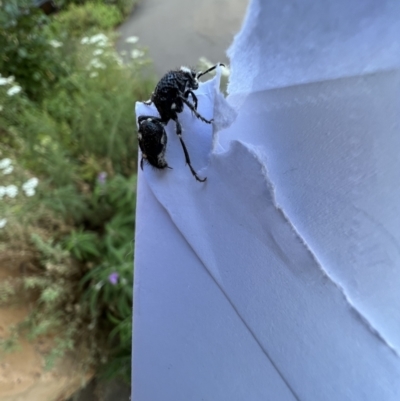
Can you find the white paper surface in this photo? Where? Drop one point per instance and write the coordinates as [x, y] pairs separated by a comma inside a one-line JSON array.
[[279, 277]]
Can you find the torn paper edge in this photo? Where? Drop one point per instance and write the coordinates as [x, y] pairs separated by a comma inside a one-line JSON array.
[[257, 153]]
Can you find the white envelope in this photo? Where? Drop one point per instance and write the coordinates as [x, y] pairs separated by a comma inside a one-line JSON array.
[[279, 277]]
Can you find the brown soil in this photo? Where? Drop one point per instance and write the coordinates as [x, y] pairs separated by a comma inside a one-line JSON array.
[[22, 373]]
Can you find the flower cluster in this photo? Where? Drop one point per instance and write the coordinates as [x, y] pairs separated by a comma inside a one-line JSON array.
[[99, 40], [96, 64], [6, 166], [55, 43], [11, 191], [29, 187], [14, 89], [132, 39], [6, 81], [103, 51], [135, 53]]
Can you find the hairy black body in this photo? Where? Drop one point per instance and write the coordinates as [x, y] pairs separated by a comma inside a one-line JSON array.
[[170, 97], [152, 141]]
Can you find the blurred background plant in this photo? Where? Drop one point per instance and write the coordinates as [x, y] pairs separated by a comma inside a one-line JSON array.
[[68, 159], [78, 19], [27, 53]]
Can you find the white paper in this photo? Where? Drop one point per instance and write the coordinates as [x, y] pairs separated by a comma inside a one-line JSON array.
[[278, 278]]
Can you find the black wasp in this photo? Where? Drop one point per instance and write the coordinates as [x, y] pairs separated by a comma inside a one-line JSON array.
[[170, 96]]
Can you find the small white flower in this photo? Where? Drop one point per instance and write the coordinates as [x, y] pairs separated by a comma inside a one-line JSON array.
[[137, 53], [97, 52], [5, 163], [8, 170], [99, 38], [101, 44], [30, 184], [3, 222], [94, 74], [118, 59], [6, 81], [132, 39], [96, 63], [30, 192], [55, 43], [98, 286], [11, 191], [14, 90], [85, 40]]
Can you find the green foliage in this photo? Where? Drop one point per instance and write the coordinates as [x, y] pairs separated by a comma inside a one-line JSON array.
[[7, 291], [73, 288], [26, 51], [10, 343], [113, 298], [83, 245], [57, 310], [61, 346], [80, 19], [86, 123], [66, 200], [60, 311], [50, 251], [107, 252], [124, 6], [75, 132]]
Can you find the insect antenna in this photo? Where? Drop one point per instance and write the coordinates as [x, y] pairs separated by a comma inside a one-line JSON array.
[[200, 74]]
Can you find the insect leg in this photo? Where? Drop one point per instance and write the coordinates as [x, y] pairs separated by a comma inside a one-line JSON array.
[[187, 158], [194, 97], [196, 113]]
